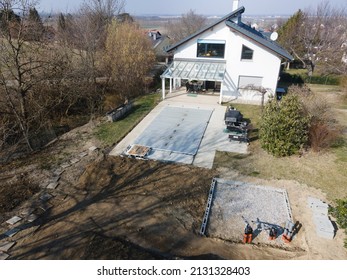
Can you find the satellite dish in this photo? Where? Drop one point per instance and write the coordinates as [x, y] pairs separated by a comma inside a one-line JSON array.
[[274, 36]]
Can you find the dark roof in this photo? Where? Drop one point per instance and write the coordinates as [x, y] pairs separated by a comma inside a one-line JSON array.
[[259, 37], [242, 28], [233, 14]]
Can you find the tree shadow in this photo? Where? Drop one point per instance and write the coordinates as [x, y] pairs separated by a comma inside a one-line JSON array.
[[66, 230]]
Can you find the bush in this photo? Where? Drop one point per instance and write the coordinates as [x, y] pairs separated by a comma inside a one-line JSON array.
[[340, 213], [323, 80], [284, 127], [344, 90], [323, 129], [302, 77], [321, 136], [291, 78]]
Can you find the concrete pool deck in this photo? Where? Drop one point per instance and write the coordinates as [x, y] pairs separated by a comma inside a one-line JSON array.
[[214, 139]]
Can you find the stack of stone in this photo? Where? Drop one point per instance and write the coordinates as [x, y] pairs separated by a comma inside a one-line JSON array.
[[324, 226]]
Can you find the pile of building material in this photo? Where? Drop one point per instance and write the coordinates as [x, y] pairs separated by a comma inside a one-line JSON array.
[[119, 112], [324, 227], [233, 202], [137, 151]]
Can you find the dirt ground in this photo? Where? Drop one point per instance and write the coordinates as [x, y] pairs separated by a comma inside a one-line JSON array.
[[120, 208]]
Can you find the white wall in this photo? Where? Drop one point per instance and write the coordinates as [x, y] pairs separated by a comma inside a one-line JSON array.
[[264, 63]]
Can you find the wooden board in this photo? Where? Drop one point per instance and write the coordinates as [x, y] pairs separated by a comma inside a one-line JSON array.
[[138, 151]]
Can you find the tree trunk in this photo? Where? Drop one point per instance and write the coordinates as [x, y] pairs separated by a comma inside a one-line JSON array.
[[24, 127]]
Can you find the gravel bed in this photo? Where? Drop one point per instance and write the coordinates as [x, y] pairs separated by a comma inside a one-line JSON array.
[[234, 200]]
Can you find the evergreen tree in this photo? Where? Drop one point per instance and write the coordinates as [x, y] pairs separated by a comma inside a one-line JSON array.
[[35, 28], [61, 23], [7, 16], [290, 36], [35, 17], [284, 127]]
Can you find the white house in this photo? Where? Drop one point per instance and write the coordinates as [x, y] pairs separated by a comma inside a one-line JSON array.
[[239, 60]]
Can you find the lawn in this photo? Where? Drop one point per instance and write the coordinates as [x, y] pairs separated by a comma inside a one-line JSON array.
[[325, 170], [111, 133]]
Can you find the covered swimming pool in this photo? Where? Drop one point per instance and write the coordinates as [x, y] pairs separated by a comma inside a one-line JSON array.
[[175, 134]]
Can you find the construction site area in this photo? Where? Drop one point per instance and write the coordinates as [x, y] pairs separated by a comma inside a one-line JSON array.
[[157, 195]]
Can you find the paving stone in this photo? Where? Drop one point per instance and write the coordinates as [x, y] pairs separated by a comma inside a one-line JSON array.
[[45, 197], [54, 179], [4, 247], [324, 227], [65, 165], [27, 211], [12, 232], [58, 172], [14, 220], [93, 148], [45, 207], [32, 218], [317, 206], [74, 160], [84, 154], [4, 256], [52, 185]]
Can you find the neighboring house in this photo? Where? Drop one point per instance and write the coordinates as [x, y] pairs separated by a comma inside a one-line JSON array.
[[160, 43], [237, 60]]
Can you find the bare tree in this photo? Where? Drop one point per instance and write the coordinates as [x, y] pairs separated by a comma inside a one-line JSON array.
[[24, 67], [85, 35], [103, 10], [325, 38], [129, 58], [187, 25], [318, 38]]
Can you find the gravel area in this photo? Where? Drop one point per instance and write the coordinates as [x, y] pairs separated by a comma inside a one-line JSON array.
[[234, 200]]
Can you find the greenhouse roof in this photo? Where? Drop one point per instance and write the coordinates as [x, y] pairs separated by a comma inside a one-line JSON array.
[[202, 70]]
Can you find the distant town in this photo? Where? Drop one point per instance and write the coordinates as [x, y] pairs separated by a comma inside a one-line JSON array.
[[156, 21]]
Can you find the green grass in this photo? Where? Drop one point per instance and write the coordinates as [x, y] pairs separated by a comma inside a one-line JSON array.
[[325, 171], [316, 78], [300, 72], [340, 150], [251, 113], [111, 133]]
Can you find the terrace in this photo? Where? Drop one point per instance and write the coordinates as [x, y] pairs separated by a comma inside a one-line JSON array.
[[183, 129]]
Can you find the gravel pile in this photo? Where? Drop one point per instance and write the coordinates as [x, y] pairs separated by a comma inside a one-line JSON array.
[[234, 200]]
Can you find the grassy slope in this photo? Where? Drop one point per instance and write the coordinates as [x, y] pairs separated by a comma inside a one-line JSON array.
[[326, 171], [111, 133]]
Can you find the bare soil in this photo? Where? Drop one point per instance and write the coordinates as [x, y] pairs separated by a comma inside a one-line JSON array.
[[120, 208]]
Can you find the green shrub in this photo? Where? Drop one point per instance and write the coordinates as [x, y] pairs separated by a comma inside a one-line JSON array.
[[301, 77], [291, 78], [284, 127], [340, 213], [323, 80], [324, 130]]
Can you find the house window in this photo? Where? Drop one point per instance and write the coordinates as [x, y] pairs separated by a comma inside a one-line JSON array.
[[247, 53], [249, 82], [211, 48]]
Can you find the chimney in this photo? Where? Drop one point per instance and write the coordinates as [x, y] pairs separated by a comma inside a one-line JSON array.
[[235, 5]]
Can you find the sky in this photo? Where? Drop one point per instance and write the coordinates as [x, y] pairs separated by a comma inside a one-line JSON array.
[[205, 7]]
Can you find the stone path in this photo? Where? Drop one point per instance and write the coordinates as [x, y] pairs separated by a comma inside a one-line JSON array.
[[26, 217]]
